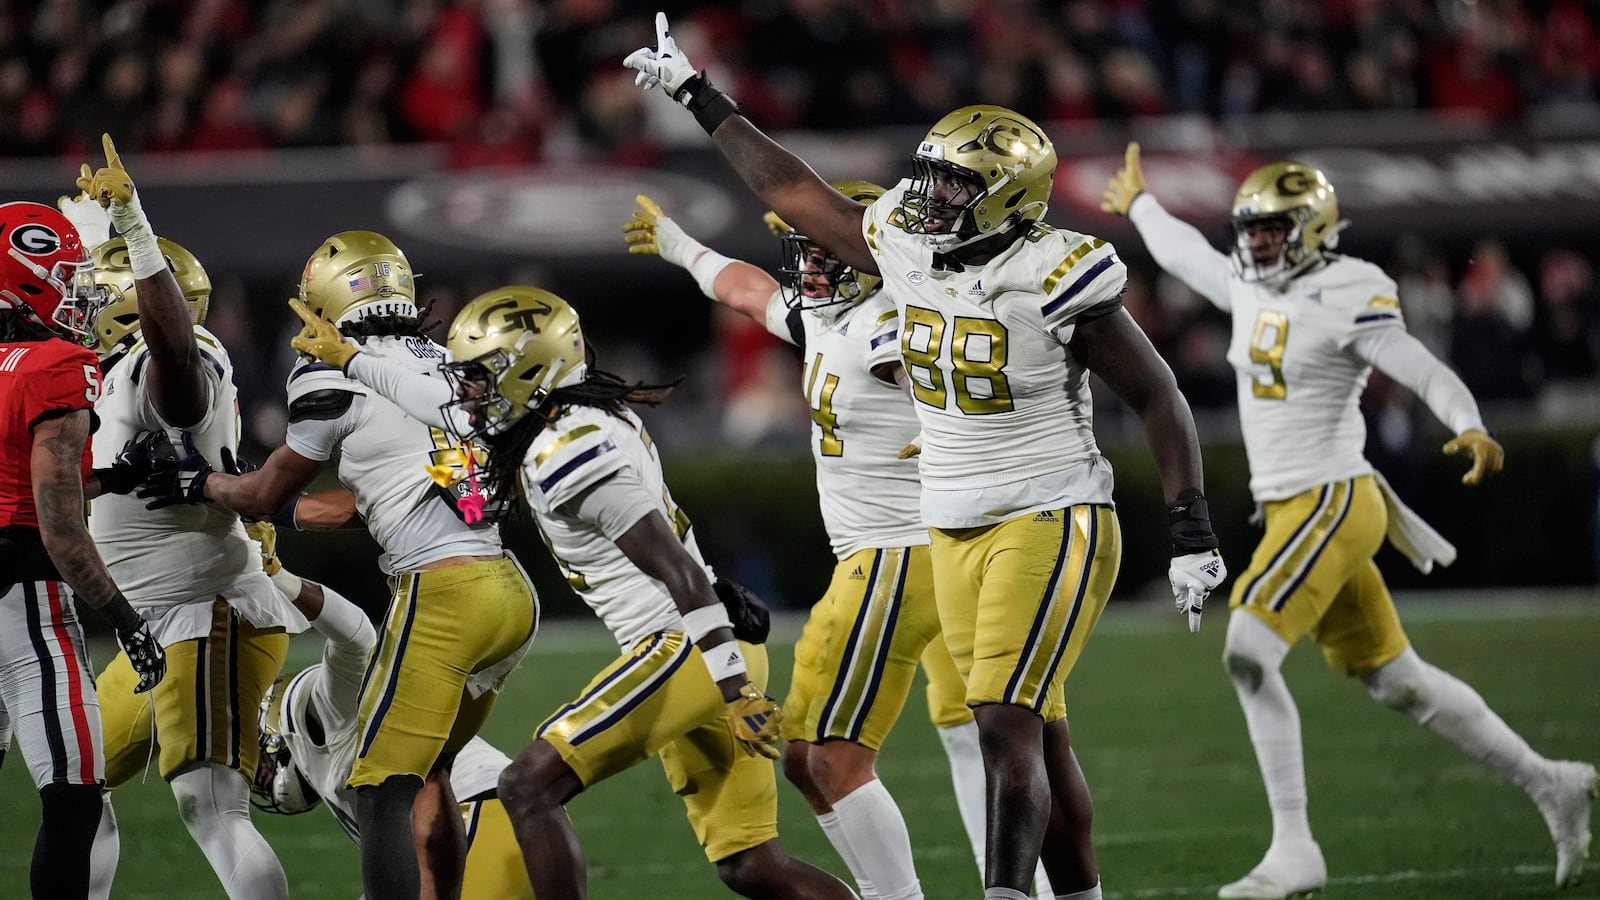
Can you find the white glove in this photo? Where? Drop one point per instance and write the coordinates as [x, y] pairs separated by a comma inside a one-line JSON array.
[[88, 217], [664, 64], [1193, 577]]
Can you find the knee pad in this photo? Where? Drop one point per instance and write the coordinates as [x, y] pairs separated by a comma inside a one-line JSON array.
[[1400, 684], [1251, 650], [208, 792]]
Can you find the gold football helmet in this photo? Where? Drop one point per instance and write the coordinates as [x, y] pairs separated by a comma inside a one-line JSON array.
[[119, 319], [1298, 196], [981, 171], [828, 279], [509, 348], [278, 787], [356, 274]]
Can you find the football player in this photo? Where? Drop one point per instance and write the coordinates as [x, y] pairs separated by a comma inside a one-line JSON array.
[[860, 647], [49, 382], [463, 612], [309, 727], [190, 571], [1309, 326], [688, 686], [1002, 318]]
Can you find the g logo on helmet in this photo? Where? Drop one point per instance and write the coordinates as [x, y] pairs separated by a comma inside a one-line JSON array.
[[1293, 183], [35, 239]]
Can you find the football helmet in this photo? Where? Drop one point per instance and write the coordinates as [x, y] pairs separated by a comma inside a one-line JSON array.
[[509, 348], [1301, 198], [119, 320], [813, 278], [981, 171], [45, 273], [278, 786], [356, 274]]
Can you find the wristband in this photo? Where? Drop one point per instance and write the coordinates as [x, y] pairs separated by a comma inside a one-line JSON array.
[[144, 254], [705, 269], [725, 661], [116, 479], [702, 620], [120, 613], [708, 103], [287, 583], [284, 517], [1189, 522]]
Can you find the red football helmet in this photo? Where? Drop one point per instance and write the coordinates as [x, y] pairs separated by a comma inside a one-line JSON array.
[[45, 273]]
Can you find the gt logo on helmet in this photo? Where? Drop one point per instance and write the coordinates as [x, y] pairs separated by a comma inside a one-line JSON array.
[[35, 239], [1293, 182], [516, 318]]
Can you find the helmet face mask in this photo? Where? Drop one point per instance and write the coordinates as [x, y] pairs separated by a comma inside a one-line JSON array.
[[278, 786], [981, 171], [1288, 199], [812, 277], [113, 270], [44, 272]]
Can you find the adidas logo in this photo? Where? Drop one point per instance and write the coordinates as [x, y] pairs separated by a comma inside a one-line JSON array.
[[844, 329], [858, 575], [977, 289], [733, 657], [1046, 516], [1211, 568]]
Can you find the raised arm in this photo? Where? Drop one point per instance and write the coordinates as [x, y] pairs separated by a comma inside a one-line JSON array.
[[781, 179], [180, 385], [1177, 246], [734, 283]]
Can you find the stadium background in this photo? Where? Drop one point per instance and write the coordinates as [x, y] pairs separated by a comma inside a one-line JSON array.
[[500, 141]]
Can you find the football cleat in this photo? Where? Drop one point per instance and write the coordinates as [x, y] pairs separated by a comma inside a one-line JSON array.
[[1286, 871], [1566, 799]]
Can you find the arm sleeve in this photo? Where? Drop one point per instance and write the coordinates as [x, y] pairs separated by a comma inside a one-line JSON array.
[[1181, 249], [417, 394], [320, 420], [351, 639], [1403, 358], [614, 504]]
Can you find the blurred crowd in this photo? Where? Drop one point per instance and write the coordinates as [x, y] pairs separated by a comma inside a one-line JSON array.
[[510, 81]]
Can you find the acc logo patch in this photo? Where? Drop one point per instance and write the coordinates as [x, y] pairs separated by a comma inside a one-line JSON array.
[[35, 239], [916, 276]]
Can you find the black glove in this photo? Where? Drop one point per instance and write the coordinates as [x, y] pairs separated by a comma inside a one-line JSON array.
[[144, 654], [131, 466], [752, 621], [182, 480]]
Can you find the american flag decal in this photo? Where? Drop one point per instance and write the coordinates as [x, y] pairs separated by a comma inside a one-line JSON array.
[[361, 283]]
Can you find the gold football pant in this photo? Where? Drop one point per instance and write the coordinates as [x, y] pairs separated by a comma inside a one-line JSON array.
[[1313, 574], [658, 699], [1018, 600], [204, 710], [858, 654]]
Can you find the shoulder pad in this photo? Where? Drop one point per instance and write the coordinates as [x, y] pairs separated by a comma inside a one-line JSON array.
[[575, 452], [328, 403], [314, 376]]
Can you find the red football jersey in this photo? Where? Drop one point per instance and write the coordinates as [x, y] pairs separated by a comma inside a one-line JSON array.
[[37, 378]]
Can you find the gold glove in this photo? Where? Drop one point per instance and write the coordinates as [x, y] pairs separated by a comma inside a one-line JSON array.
[[320, 339], [1487, 454], [754, 718], [909, 450], [1127, 184], [640, 231], [112, 183], [265, 534]]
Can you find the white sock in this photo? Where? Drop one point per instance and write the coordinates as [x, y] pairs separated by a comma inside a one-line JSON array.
[[1042, 889], [105, 853], [876, 831], [1000, 893], [1451, 709], [1255, 657], [835, 832], [1091, 894], [966, 775], [214, 803]]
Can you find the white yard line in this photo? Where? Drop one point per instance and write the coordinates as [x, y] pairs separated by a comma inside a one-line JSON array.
[[1371, 878]]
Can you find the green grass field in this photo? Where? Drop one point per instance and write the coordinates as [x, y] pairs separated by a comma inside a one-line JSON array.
[[1179, 806]]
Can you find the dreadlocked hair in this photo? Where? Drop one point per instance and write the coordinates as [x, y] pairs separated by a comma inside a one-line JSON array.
[[17, 328], [391, 326], [599, 389]]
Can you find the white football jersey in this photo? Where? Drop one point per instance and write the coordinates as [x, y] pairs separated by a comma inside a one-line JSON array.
[[1005, 410], [172, 562], [575, 452], [859, 423], [1299, 386], [383, 454]]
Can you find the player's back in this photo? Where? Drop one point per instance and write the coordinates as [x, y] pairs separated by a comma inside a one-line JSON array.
[[575, 452], [1299, 384], [181, 551], [383, 455], [37, 379]]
